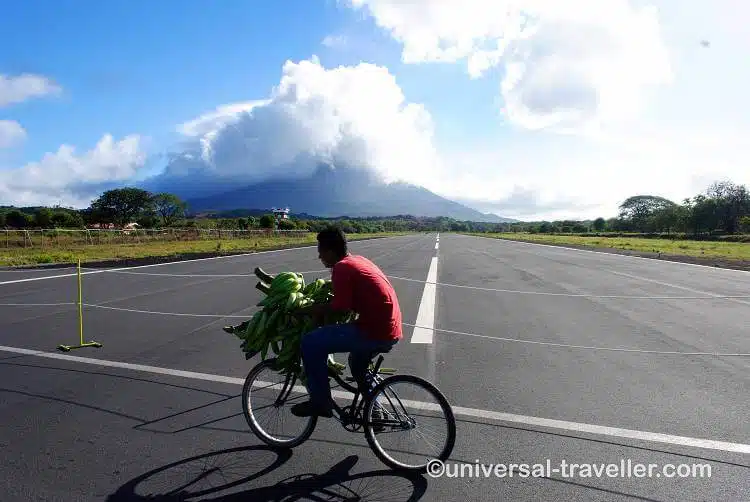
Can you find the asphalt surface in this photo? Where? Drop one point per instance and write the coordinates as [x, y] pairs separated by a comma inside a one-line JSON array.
[[545, 316]]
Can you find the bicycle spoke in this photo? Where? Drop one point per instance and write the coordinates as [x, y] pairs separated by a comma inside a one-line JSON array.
[[401, 430], [273, 422]]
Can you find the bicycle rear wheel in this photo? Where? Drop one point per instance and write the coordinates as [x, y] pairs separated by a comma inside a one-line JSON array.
[[418, 410], [267, 398]]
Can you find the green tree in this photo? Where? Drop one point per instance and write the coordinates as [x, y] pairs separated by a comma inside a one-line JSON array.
[[43, 218], [169, 207], [745, 224], [545, 228], [122, 205], [666, 219], [639, 210], [600, 224], [267, 221], [702, 215], [228, 224], [17, 219], [732, 203], [148, 219], [67, 219]]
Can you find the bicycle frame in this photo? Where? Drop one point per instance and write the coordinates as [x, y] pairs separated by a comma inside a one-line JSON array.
[[350, 416]]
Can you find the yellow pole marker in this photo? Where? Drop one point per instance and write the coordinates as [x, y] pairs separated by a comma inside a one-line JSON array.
[[67, 348]]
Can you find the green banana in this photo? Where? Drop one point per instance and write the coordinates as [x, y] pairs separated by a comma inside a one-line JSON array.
[[263, 287], [272, 319], [273, 299], [261, 326], [260, 274], [291, 299], [250, 328], [281, 278], [274, 328], [291, 284]]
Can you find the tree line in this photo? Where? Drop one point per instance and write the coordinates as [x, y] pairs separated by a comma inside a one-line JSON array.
[[122, 206], [722, 209], [118, 207]]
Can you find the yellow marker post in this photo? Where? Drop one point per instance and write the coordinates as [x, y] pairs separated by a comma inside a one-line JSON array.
[[67, 348]]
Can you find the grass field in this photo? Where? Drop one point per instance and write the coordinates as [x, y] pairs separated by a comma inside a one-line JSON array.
[[698, 249], [70, 253]]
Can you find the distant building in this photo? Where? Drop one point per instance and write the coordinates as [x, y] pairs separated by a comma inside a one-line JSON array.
[[281, 214]]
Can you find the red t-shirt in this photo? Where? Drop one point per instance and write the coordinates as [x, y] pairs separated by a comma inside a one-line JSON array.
[[359, 285]]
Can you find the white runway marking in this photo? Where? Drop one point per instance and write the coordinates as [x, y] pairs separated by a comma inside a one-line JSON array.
[[424, 330], [458, 410]]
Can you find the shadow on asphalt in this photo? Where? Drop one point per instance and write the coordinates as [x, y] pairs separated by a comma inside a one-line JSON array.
[[223, 397], [204, 477]]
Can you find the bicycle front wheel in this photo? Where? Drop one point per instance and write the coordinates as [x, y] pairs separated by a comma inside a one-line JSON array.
[[267, 398], [410, 411]]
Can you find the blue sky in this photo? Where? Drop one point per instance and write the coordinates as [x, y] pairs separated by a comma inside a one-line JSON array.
[[553, 125], [142, 67]]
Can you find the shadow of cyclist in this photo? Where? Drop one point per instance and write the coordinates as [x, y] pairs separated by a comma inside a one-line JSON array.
[[205, 476]]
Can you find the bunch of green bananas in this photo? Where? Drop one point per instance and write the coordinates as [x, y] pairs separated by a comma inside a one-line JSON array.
[[276, 327]]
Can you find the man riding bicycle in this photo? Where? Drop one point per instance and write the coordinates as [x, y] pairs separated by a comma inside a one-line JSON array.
[[359, 286]]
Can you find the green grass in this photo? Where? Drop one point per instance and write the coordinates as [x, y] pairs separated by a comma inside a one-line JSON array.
[[71, 252], [705, 249]]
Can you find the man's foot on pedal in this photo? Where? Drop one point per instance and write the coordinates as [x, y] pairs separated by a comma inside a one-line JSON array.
[[308, 409]]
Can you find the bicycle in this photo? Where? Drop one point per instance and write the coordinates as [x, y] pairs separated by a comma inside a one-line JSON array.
[[358, 414]]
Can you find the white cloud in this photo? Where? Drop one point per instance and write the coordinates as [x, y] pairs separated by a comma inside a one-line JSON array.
[[646, 107], [70, 178], [345, 116], [332, 41], [215, 121], [570, 65], [27, 86], [11, 133], [567, 177], [358, 117]]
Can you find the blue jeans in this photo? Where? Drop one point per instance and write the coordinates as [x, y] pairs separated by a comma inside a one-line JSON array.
[[331, 339]]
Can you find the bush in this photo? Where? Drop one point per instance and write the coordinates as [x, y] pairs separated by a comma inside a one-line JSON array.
[[267, 221]]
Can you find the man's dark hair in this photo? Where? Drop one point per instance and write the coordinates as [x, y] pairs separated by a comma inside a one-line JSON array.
[[333, 238]]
